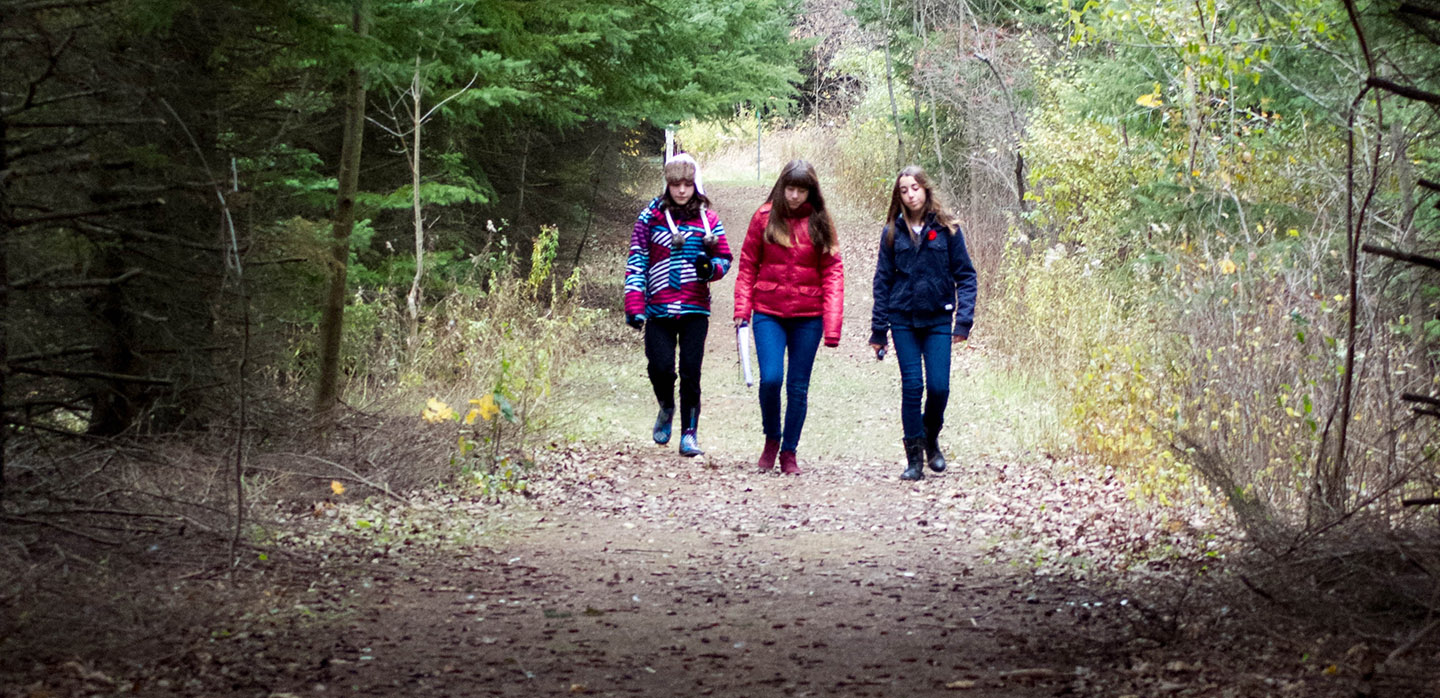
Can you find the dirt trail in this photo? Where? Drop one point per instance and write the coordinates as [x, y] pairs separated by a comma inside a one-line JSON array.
[[662, 581]]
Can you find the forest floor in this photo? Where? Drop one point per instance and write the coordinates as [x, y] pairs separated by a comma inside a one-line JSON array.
[[632, 571]]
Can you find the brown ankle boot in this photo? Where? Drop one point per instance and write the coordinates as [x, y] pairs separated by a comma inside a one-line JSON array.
[[788, 466], [767, 456]]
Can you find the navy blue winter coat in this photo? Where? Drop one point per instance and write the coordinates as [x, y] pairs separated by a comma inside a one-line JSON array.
[[923, 284]]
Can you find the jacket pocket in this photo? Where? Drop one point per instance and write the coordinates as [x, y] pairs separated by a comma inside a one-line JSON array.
[[766, 285], [812, 291]]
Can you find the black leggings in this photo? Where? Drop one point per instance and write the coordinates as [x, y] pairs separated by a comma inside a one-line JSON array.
[[662, 336]]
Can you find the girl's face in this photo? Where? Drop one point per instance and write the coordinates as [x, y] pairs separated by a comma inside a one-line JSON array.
[[911, 194], [680, 192], [795, 196]]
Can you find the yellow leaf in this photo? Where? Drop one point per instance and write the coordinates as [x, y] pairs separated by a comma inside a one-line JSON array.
[[337, 487], [1331, 670], [471, 415], [1294, 233], [1151, 100], [436, 411], [1227, 267], [488, 409]]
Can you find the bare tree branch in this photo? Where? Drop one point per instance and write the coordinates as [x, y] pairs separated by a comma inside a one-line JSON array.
[[1416, 259], [1411, 8], [102, 375], [86, 124], [91, 213], [1404, 90], [57, 354], [80, 283], [1416, 397]]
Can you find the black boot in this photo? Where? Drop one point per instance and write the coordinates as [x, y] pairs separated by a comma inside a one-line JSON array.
[[934, 419], [914, 459], [662, 424], [933, 457], [689, 436]]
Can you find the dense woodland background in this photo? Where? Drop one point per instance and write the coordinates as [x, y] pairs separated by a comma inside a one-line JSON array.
[[249, 228]]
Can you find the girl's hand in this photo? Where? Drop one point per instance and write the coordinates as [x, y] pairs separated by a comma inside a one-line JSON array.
[[741, 322], [879, 350], [957, 339]]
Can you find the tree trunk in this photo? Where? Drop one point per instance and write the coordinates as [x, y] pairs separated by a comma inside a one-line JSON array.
[[114, 403], [332, 319], [935, 132], [412, 299], [520, 196], [4, 298], [590, 209], [890, 85]]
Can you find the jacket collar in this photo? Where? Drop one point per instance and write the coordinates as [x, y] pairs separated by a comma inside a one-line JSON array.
[[902, 224]]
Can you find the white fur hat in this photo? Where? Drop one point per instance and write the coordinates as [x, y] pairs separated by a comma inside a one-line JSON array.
[[686, 158]]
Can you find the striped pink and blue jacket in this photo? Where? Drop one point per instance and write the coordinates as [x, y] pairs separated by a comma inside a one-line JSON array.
[[660, 276]]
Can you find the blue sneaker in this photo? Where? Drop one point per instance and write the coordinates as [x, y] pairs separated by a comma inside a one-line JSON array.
[[662, 425], [690, 444]]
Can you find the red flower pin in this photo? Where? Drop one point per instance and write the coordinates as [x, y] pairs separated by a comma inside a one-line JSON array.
[[932, 235]]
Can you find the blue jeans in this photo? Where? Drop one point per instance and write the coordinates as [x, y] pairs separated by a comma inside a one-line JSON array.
[[926, 348], [774, 336]]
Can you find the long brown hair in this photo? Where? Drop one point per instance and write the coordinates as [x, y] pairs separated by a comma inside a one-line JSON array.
[[932, 204], [798, 173]]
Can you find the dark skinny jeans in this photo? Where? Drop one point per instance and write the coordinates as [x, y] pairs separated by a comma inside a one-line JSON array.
[[924, 357], [774, 338], [662, 336]]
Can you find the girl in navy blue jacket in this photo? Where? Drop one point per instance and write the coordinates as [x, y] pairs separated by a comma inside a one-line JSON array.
[[925, 296]]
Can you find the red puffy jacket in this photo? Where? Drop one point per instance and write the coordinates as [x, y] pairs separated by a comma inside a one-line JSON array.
[[795, 281]]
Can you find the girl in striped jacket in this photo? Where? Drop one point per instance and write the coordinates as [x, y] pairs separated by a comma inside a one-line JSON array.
[[677, 248]]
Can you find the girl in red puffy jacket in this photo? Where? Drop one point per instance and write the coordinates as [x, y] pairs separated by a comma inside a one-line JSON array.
[[790, 288]]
